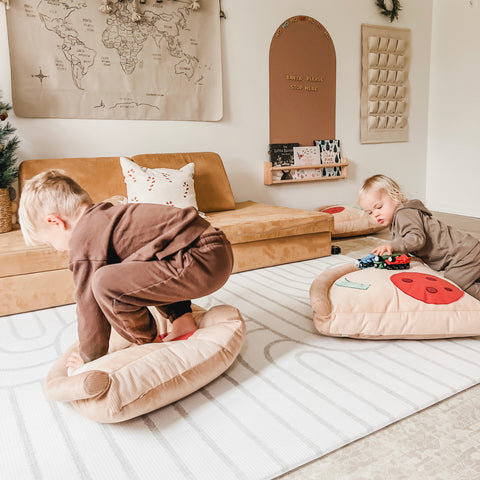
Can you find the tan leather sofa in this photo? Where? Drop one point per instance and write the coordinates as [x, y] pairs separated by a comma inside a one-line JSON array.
[[33, 278]]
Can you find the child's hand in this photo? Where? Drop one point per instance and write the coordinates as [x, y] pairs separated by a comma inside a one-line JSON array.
[[74, 360], [385, 249]]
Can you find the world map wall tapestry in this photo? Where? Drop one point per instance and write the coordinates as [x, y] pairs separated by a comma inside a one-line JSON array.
[[70, 60]]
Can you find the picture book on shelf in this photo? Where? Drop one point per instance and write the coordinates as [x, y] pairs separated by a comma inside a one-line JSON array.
[[329, 151], [305, 174], [281, 154], [330, 155], [304, 156]]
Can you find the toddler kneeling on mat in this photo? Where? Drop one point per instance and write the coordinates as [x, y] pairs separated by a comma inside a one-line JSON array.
[[125, 258]]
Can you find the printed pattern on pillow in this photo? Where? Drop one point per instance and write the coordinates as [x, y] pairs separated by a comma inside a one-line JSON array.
[[427, 288], [164, 186]]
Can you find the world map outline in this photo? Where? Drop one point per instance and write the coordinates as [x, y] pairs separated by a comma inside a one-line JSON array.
[[165, 41], [122, 34]]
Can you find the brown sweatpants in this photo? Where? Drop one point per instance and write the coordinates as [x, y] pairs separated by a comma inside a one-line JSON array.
[[466, 273], [123, 291], [474, 290]]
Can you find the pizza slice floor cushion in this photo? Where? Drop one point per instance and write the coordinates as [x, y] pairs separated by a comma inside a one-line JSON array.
[[383, 304], [135, 379], [350, 221]]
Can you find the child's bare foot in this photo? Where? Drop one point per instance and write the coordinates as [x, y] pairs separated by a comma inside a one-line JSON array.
[[181, 326], [74, 361]]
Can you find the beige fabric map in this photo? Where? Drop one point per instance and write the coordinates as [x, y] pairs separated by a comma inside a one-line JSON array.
[[69, 60]]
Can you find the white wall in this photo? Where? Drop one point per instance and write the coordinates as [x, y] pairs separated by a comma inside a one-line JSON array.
[[453, 165], [242, 136]]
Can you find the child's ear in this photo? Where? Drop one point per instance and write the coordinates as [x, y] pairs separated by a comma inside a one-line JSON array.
[[56, 221]]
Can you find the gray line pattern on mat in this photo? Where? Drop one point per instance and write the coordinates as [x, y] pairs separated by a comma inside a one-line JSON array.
[[67, 437], [299, 298], [64, 321], [327, 400], [163, 442], [26, 443], [122, 457], [214, 447], [249, 300], [280, 279], [16, 333], [26, 367], [419, 372], [307, 271], [57, 341], [309, 265], [393, 393], [354, 393], [22, 352], [397, 378], [268, 451], [313, 446], [463, 343], [437, 346], [307, 410], [369, 379], [434, 362]]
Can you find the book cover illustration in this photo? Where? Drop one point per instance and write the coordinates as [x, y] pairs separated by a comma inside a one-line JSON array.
[[283, 175], [303, 174], [304, 156], [281, 154], [330, 155]]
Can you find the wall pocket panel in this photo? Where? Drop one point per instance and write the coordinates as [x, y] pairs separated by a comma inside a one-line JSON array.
[[384, 102]]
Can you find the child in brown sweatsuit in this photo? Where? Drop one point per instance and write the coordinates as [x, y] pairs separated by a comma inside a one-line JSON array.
[[125, 258], [415, 230]]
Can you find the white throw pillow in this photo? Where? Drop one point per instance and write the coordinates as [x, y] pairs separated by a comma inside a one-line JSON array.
[[165, 186]]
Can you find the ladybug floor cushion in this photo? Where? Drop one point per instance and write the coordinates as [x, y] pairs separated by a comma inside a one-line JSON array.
[[382, 304], [350, 221], [135, 379]]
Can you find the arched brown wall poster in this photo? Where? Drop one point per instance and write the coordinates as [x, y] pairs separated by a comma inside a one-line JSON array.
[[302, 82]]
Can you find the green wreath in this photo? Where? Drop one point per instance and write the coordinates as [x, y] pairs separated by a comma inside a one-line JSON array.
[[392, 13]]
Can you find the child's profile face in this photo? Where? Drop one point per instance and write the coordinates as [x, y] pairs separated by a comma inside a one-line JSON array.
[[379, 205]]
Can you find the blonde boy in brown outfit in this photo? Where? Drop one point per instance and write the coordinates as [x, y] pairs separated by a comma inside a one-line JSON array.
[[415, 230], [124, 259]]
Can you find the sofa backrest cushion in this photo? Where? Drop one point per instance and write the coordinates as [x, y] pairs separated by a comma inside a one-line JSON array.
[[102, 177]]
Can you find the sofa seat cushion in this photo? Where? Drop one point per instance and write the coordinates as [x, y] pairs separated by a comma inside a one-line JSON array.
[[251, 221]]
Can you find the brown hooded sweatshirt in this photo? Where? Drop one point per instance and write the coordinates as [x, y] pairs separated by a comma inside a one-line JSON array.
[[415, 230], [107, 234]]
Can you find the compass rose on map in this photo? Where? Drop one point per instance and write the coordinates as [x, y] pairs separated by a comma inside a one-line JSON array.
[[40, 75]]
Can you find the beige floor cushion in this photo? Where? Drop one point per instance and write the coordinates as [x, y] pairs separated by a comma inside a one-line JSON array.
[[350, 220], [383, 304], [135, 379]]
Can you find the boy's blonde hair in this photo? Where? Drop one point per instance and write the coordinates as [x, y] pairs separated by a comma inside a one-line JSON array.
[[385, 184], [50, 192]]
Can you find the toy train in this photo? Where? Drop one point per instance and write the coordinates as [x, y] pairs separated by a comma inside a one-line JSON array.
[[388, 262]]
